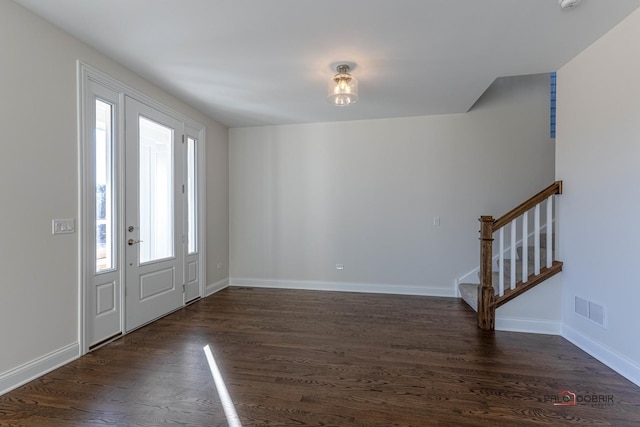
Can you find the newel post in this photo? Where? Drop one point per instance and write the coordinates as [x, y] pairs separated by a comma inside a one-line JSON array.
[[486, 293]]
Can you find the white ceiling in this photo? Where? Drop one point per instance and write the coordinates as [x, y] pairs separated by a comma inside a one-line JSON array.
[[260, 62]]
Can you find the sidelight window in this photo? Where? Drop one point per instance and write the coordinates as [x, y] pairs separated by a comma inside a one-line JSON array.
[[192, 198], [104, 185]]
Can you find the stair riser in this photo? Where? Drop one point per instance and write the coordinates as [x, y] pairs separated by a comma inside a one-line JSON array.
[[469, 294]]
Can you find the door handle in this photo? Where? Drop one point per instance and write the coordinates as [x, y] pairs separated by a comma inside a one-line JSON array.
[[133, 242]]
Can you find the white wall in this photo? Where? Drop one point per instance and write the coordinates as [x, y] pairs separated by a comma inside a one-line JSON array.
[[598, 152], [539, 310], [39, 182], [217, 207], [304, 198]]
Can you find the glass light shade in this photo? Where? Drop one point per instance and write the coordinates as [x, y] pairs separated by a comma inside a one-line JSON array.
[[343, 88]]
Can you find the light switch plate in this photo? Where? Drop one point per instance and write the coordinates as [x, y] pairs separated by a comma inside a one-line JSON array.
[[63, 226]]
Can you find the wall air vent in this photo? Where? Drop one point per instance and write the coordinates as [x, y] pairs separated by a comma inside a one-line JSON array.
[[590, 310]]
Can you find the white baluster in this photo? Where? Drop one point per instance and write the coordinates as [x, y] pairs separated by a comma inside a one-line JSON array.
[[501, 264], [536, 239], [513, 255], [549, 231], [525, 247]]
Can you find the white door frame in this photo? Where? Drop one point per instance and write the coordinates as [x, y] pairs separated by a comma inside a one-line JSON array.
[[86, 76]]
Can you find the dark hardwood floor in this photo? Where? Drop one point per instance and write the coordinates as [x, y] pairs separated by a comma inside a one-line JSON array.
[[302, 358]]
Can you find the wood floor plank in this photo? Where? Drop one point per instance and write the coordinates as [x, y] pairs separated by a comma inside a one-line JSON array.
[[303, 358]]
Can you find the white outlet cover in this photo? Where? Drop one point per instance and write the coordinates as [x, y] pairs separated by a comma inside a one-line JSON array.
[[63, 226]]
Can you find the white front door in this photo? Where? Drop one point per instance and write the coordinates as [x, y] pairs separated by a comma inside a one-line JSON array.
[[142, 216], [154, 199]]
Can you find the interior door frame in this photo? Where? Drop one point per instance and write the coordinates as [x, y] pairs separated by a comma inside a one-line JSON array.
[[87, 75]]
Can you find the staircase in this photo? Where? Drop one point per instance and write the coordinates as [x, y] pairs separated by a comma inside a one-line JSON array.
[[516, 270]]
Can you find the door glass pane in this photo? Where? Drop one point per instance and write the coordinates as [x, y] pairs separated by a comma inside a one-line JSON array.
[[104, 186], [192, 218], [156, 191]]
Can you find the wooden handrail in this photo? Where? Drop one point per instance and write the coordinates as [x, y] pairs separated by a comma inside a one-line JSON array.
[[521, 288], [487, 300], [555, 188]]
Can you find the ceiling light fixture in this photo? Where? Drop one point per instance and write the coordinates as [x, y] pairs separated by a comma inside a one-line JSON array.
[[343, 87]]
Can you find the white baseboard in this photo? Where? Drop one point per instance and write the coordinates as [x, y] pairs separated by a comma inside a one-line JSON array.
[[212, 288], [619, 363], [532, 326], [375, 288], [16, 377]]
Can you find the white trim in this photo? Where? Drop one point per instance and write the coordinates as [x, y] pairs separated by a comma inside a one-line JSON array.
[[531, 326], [212, 288], [375, 288], [619, 363], [202, 208], [470, 277], [29, 371], [106, 80], [81, 83]]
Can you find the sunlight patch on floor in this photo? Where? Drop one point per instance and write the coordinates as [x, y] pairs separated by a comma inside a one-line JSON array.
[[225, 399]]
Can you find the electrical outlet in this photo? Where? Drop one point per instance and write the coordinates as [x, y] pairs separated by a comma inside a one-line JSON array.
[[219, 266], [339, 266], [436, 221]]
